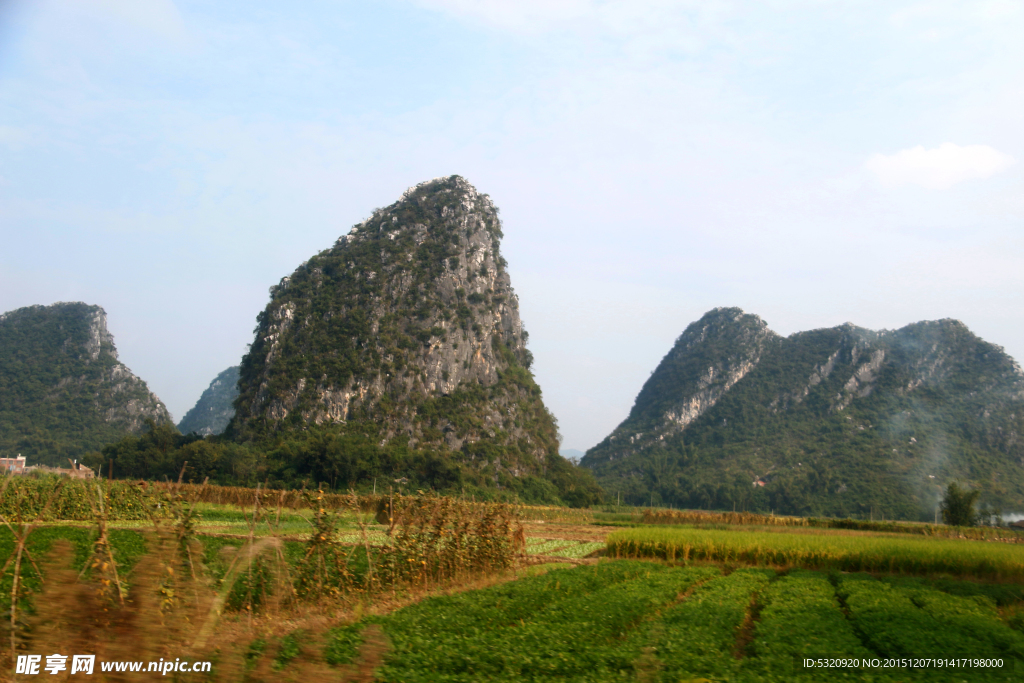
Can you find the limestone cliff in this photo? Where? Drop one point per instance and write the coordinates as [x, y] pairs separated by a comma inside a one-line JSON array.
[[407, 327], [708, 358], [63, 390]]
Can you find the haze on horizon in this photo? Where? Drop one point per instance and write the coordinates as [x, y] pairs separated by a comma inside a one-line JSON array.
[[810, 162]]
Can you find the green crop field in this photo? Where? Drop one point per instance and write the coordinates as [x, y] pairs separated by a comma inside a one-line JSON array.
[[872, 553], [302, 593], [629, 620]]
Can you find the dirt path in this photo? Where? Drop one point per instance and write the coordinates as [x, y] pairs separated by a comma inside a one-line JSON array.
[[569, 532]]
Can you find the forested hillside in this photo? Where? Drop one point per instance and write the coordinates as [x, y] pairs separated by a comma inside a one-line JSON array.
[[215, 408], [63, 391], [841, 421]]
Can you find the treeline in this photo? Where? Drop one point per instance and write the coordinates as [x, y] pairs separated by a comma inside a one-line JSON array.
[[338, 459]]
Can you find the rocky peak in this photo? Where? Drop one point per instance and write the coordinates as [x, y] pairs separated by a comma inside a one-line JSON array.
[[64, 390], [99, 338], [413, 305], [708, 358]]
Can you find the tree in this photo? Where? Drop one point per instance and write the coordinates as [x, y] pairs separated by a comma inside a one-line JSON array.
[[958, 506]]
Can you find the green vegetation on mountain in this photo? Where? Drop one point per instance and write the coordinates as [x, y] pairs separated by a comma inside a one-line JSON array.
[[63, 391], [838, 422], [215, 408], [396, 355]]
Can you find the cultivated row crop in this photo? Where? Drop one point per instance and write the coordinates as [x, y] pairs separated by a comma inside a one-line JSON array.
[[702, 517], [548, 513], [909, 555], [699, 637], [52, 498], [566, 625], [924, 622], [577, 550], [801, 618], [638, 621], [558, 547], [58, 498]]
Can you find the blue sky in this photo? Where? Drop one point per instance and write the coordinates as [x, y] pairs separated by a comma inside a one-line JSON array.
[[813, 162]]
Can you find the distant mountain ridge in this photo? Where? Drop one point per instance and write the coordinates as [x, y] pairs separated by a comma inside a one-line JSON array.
[[215, 408], [63, 391], [833, 421]]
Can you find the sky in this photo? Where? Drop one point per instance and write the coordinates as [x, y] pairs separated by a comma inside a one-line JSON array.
[[811, 161]]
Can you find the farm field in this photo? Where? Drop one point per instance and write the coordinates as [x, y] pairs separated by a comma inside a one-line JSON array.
[[865, 551], [221, 530], [466, 591], [628, 620], [748, 520], [128, 544]]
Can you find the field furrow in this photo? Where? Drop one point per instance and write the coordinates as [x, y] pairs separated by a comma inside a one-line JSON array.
[[566, 625], [697, 637], [801, 618], [896, 621]]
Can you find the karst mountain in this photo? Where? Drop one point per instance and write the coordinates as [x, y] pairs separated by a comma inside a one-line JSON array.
[[404, 341], [63, 391], [215, 407], [840, 421]]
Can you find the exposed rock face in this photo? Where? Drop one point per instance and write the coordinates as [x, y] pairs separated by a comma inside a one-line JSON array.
[[831, 419], [409, 323], [708, 358], [62, 389], [215, 408]]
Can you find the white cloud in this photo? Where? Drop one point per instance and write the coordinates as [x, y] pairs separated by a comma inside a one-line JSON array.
[[939, 168]]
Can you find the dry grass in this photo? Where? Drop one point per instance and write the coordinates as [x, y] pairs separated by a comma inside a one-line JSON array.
[[168, 614], [169, 607]]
